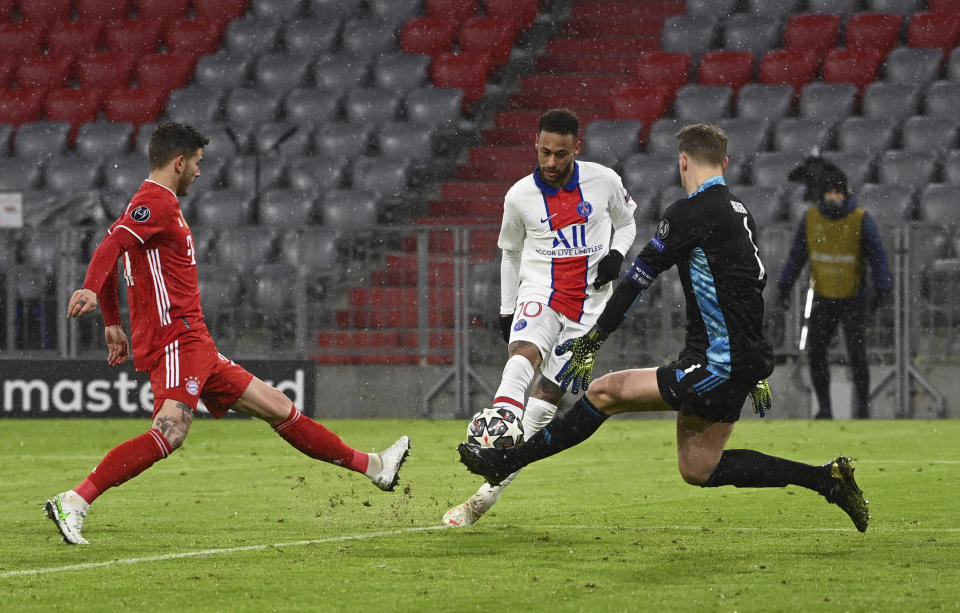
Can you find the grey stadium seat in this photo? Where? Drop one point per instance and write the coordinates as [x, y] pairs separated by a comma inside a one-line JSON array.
[[251, 106], [942, 99], [286, 207], [951, 166], [611, 141], [828, 101], [219, 288], [662, 137], [99, 139], [911, 168], [371, 105], [195, 104], [710, 7], [753, 33], [833, 7], [244, 248], [766, 102], [343, 139], [318, 258], [125, 173], [401, 72], [316, 173], [280, 10], [41, 139], [373, 175], [736, 168], [438, 107], [251, 36], [865, 134], [693, 35], [700, 103], [71, 173], [369, 37], [347, 209], [773, 9], [651, 171], [772, 168], [341, 72], [937, 134], [953, 65], [222, 145], [898, 7], [341, 8], [308, 105], [887, 204], [240, 173], [402, 140], [937, 203], [222, 208], [800, 134], [765, 202], [269, 289], [6, 136], [280, 71], [857, 165], [890, 100], [223, 70], [912, 66], [745, 136], [311, 38], [287, 138], [395, 11], [20, 174]]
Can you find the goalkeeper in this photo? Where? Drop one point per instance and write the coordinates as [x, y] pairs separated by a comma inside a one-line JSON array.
[[711, 238]]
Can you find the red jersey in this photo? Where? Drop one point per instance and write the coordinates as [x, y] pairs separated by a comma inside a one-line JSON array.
[[160, 266]]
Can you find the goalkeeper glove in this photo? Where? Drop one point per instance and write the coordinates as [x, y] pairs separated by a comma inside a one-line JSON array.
[[762, 399], [578, 370], [608, 269]]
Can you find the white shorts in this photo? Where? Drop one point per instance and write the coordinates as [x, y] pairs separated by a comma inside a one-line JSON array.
[[535, 322]]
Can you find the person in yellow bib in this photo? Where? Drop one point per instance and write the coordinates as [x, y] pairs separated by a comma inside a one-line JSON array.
[[840, 240]]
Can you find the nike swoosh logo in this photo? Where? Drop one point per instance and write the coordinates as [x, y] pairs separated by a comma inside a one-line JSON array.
[[60, 512], [546, 219]]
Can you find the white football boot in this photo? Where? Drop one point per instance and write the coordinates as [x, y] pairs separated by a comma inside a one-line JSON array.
[[387, 474], [64, 511]]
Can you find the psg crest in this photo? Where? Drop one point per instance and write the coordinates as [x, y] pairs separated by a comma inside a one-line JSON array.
[[584, 208]]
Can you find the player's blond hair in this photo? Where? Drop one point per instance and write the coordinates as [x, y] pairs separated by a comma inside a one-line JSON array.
[[705, 143]]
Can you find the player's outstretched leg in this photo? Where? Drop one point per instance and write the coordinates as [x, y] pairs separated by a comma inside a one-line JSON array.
[[67, 511], [384, 467], [847, 495]]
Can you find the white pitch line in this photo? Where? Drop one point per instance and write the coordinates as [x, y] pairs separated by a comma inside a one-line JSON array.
[[212, 552]]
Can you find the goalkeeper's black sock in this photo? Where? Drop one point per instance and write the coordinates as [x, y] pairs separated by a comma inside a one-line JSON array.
[[748, 468], [566, 430]]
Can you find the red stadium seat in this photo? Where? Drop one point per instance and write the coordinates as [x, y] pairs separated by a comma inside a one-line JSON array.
[[429, 35], [934, 31], [136, 36], [74, 36], [8, 65], [198, 37], [856, 66], [524, 12], [458, 10], [47, 10], [44, 70], [646, 104], [105, 70], [793, 67], [493, 36], [21, 38], [655, 68], [167, 71], [103, 9], [467, 72], [134, 105], [22, 105], [163, 9], [78, 106], [219, 10], [731, 68], [880, 31], [6, 9], [817, 33]]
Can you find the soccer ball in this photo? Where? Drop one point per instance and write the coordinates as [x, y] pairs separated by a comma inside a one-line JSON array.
[[497, 428]]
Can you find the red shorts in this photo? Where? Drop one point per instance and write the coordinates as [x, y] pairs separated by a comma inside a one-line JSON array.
[[191, 369]]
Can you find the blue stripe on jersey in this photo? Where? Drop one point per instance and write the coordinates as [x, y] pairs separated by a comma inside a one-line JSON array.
[[705, 291], [717, 180]]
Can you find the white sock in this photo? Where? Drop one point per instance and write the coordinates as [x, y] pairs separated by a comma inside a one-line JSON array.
[[374, 465], [517, 374], [76, 500], [538, 414]]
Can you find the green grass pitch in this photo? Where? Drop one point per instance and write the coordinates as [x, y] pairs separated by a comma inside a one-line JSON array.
[[237, 520]]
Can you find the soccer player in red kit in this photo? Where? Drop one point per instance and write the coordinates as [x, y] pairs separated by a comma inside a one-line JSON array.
[[171, 340]]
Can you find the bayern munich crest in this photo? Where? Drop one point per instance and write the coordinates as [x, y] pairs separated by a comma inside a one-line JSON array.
[[584, 208], [193, 386]]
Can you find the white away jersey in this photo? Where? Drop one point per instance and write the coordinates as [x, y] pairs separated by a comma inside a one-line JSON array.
[[562, 234]]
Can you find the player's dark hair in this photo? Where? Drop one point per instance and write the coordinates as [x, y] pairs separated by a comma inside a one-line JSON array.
[[559, 121], [704, 143], [172, 139]]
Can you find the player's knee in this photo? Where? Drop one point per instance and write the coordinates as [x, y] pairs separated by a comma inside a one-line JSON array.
[[175, 437], [694, 473]]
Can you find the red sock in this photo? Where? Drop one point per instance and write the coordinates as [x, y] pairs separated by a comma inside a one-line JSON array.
[[124, 462], [314, 440]]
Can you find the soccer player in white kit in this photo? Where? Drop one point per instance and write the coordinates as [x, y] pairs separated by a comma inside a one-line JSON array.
[[558, 258]]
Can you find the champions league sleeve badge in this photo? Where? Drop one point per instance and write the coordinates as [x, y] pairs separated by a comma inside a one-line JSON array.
[[141, 213]]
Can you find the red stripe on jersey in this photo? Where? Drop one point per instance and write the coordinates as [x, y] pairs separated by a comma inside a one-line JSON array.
[[569, 275]]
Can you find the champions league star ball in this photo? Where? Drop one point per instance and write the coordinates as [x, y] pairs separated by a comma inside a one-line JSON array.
[[497, 428]]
